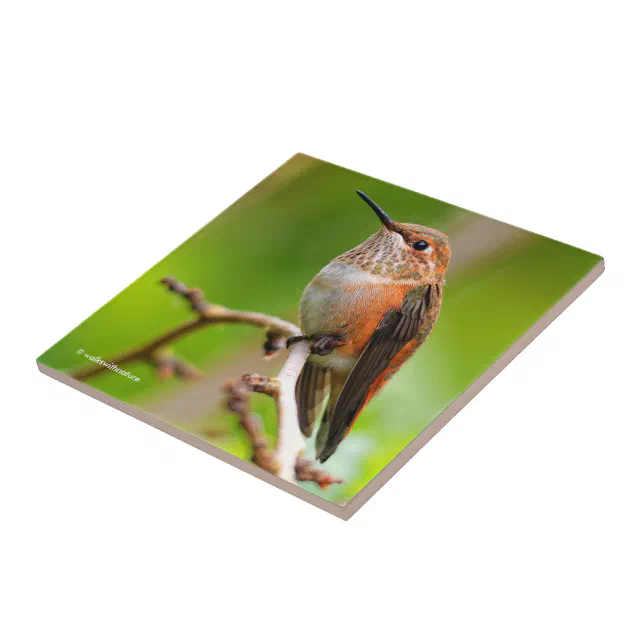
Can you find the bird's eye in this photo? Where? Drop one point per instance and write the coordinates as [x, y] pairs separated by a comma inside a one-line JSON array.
[[420, 245]]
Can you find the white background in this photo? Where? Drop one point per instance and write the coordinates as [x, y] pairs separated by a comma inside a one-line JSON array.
[[125, 126]]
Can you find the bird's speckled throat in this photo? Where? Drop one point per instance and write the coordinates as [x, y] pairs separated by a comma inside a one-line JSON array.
[[389, 254]]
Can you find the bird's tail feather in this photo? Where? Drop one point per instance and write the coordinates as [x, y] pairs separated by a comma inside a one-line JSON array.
[[310, 391], [322, 438]]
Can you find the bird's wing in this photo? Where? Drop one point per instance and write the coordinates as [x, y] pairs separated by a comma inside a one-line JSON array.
[[310, 391], [396, 329]]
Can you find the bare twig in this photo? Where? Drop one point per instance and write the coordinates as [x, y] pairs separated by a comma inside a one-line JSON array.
[[238, 402], [168, 365], [277, 331], [290, 440], [306, 471], [284, 460]]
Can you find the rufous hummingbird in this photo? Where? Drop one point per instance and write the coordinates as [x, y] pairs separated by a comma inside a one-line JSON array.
[[365, 314]]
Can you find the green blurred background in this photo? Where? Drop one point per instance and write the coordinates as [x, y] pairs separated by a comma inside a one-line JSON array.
[[260, 254]]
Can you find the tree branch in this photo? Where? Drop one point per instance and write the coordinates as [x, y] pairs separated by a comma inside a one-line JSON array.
[[290, 441], [238, 402], [284, 460], [277, 331]]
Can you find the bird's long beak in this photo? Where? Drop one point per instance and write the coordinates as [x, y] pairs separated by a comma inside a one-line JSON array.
[[386, 220]]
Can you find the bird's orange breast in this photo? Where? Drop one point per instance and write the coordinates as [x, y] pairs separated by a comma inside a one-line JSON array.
[[365, 307], [338, 303]]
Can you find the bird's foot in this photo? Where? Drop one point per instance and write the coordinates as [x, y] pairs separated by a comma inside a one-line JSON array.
[[296, 338], [323, 346]]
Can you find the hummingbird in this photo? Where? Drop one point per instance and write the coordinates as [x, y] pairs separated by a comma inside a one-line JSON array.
[[364, 315]]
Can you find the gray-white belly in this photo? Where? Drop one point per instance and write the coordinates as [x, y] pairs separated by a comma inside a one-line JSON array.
[[327, 300]]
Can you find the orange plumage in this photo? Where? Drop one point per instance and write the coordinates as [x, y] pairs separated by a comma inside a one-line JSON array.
[[365, 314]]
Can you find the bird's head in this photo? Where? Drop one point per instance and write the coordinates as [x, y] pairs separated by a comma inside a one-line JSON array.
[[405, 252]]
